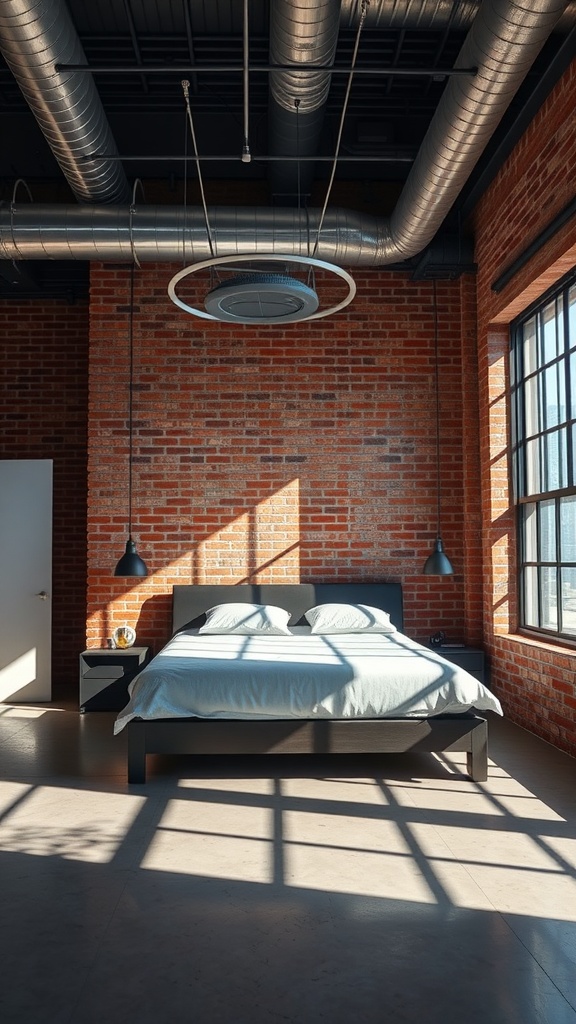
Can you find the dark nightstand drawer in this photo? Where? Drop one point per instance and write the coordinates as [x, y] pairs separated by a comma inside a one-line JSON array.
[[105, 675], [470, 658]]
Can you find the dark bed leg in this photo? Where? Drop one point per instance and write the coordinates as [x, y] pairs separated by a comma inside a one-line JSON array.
[[136, 753], [477, 757]]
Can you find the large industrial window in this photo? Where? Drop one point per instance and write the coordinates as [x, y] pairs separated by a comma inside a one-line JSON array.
[[543, 382]]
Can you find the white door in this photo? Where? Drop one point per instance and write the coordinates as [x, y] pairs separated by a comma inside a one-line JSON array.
[[25, 580]]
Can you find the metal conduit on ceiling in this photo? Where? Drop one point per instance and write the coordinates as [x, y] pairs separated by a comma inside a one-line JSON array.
[[503, 42], [306, 33], [33, 38]]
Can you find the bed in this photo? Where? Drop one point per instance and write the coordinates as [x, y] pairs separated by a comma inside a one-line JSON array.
[[370, 690]]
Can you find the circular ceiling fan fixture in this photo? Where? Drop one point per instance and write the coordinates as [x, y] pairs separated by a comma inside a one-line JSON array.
[[257, 297], [261, 298]]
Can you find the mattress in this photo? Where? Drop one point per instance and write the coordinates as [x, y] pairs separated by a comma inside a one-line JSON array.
[[304, 675]]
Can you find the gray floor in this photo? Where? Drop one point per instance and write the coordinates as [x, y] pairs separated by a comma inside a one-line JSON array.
[[282, 889]]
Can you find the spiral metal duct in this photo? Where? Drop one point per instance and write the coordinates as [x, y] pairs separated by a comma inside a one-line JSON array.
[[505, 39], [34, 36], [305, 31], [414, 15], [503, 42], [172, 233]]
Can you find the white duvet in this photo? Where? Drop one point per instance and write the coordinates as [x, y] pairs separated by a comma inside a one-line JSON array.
[[349, 675]]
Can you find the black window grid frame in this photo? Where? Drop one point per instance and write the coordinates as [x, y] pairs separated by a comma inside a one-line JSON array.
[[523, 497]]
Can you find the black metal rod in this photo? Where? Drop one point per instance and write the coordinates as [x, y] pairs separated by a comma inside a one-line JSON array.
[[190, 38], [246, 83], [254, 159], [222, 69]]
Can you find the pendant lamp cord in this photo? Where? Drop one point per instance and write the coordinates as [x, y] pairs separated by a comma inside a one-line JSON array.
[[130, 392], [437, 389]]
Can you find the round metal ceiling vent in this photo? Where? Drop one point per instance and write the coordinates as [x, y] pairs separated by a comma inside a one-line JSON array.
[[261, 299], [260, 296]]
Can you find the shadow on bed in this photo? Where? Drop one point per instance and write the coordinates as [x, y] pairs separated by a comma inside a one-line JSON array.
[[278, 733]]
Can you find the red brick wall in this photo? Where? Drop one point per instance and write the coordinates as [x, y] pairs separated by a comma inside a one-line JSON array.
[[43, 415], [294, 454], [535, 680]]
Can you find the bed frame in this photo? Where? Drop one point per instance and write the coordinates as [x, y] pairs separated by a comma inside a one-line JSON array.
[[466, 732]]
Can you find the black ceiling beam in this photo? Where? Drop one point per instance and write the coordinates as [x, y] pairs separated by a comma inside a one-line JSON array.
[[51, 279], [238, 69], [388, 158], [190, 41], [134, 38], [18, 275]]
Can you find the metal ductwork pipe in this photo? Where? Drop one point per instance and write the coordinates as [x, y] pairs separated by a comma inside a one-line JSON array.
[[301, 31], [418, 15], [34, 36], [412, 14], [174, 234], [503, 43]]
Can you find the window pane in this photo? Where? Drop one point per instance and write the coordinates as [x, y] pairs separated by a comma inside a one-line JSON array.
[[512, 366], [531, 596], [529, 350], [572, 317], [543, 458], [561, 376], [563, 457], [515, 476], [568, 529], [532, 420], [551, 398], [530, 535], [560, 325], [533, 467], [549, 346], [569, 601], [555, 460], [548, 597], [513, 417], [547, 531]]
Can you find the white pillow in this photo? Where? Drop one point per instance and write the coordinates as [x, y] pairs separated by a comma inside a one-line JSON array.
[[246, 619], [349, 618]]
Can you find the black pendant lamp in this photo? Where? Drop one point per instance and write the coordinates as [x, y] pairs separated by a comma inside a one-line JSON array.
[[130, 564], [437, 563]]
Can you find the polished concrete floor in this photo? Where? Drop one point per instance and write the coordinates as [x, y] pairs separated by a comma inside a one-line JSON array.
[[282, 889]]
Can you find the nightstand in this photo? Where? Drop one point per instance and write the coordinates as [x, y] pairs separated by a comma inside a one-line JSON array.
[[470, 658], [105, 675]]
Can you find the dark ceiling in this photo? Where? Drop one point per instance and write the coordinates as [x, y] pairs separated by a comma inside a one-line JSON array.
[[140, 48]]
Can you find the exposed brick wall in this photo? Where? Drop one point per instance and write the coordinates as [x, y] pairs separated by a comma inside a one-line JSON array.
[[282, 455], [535, 680], [43, 413]]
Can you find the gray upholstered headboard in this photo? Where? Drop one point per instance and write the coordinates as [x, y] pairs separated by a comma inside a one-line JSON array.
[[190, 602]]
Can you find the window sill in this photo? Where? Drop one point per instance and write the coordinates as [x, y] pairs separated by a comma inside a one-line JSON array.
[[563, 647]]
